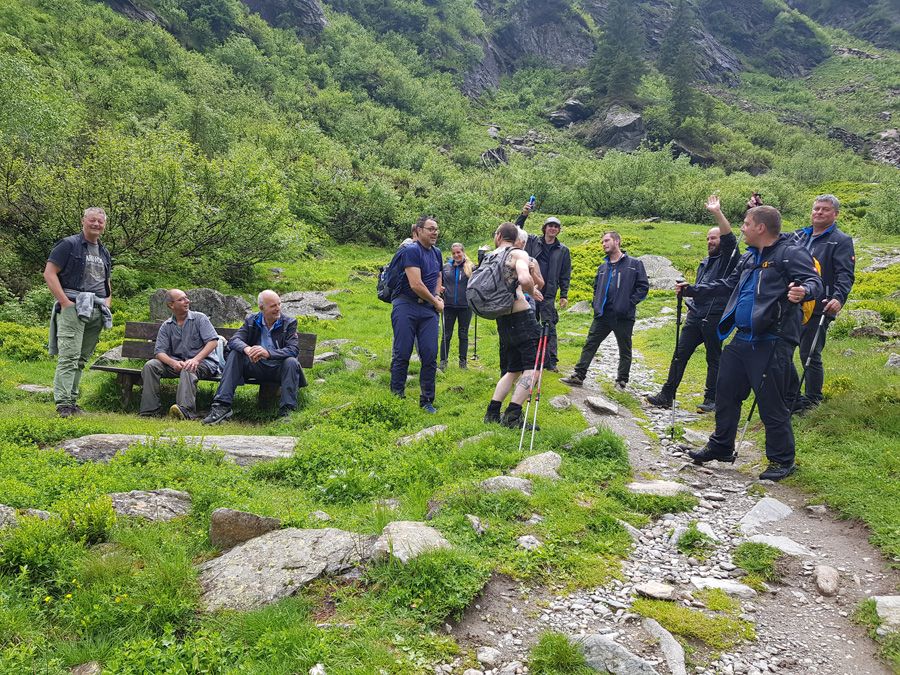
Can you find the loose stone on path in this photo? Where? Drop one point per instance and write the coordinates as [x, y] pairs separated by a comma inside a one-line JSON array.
[[658, 488], [603, 653], [730, 587], [888, 609], [671, 648], [600, 405], [655, 590], [243, 450], [783, 544], [766, 510]]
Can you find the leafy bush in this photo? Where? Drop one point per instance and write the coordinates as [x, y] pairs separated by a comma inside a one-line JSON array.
[[22, 343], [89, 521], [883, 214], [40, 548]]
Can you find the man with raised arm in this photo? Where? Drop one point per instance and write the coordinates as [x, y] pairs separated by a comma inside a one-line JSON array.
[[764, 294], [518, 331], [185, 348], [264, 349], [837, 260], [619, 285], [77, 273], [701, 326]]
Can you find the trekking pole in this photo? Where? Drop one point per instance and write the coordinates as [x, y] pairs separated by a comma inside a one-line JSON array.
[[537, 357], [537, 399], [475, 354], [445, 347], [675, 357], [809, 356]]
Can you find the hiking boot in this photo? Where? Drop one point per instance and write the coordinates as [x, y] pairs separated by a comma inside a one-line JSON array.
[[429, 408], [463, 365], [149, 413], [707, 454], [707, 406], [65, 411], [514, 421], [574, 380], [178, 413], [78, 410], [491, 417], [219, 413], [284, 412], [442, 366], [776, 471], [660, 400], [621, 385]]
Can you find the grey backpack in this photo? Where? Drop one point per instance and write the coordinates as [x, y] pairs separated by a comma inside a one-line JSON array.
[[488, 293]]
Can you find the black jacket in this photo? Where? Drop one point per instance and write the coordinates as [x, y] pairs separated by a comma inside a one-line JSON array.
[[778, 265], [559, 267], [834, 251], [455, 284], [284, 335], [631, 286], [710, 269], [70, 254]]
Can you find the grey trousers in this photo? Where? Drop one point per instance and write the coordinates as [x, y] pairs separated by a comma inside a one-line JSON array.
[[185, 396]]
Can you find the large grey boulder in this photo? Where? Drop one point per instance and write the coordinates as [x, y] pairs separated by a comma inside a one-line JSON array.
[[888, 609], [309, 303], [618, 128], [660, 272], [157, 505], [544, 465], [243, 450], [405, 540], [228, 528], [766, 510], [671, 648], [581, 307], [603, 653], [276, 565], [35, 388], [218, 307]]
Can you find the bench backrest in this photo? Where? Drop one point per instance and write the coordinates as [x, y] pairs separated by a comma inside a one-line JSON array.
[[140, 340]]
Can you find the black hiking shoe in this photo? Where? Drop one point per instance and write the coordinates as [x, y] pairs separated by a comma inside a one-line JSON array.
[[621, 385], [514, 421], [65, 411], [492, 418], [707, 406], [660, 400], [285, 411], [463, 365], [219, 413], [574, 380], [777, 471], [707, 454]]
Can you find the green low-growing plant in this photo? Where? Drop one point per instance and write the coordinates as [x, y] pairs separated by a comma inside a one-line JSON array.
[[555, 654], [695, 543], [759, 560], [889, 645], [717, 632]]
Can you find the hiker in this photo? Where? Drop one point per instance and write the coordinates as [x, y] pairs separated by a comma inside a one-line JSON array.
[[414, 315], [456, 273], [533, 268], [77, 273], [264, 349], [619, 285], [837, 260], [701, 326], [518, 333], [555, 264], [766, 288], [185, 348]]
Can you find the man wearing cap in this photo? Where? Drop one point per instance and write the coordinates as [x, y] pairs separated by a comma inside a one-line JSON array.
[[555, 263]]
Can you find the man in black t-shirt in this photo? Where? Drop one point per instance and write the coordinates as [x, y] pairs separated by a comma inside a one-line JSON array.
[[77, 273], [704, 314], [415, 309]]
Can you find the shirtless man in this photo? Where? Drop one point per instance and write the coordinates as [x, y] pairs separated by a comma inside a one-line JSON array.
[[518, 331]]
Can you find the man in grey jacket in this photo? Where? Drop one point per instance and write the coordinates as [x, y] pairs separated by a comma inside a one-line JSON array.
[[185, 348], [555, 263]]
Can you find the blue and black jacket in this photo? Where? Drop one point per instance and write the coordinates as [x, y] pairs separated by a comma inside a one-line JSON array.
[[455, 284], [284, 336], [631, 282], [710, 269], [767, 272], [837, 258]]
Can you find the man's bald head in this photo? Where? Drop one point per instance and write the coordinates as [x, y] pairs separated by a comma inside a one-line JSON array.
[[270, 306]]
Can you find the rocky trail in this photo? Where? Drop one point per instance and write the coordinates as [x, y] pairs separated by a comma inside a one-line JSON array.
[[802, 623]]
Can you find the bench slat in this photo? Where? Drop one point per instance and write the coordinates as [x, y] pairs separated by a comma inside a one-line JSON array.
[[137, 349]]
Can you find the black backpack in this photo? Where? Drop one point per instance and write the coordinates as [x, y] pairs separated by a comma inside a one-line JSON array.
[[389, 278], [488, 293]]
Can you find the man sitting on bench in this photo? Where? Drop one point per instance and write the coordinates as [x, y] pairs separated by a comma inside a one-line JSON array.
[[185, 348], [265, 349]]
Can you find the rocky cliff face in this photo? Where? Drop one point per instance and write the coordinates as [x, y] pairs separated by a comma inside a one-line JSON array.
[[305, 15], [877, 21]]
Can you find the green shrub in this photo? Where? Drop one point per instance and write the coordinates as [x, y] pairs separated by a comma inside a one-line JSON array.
[[758, 559], [88, 521], [883, 214], [836, 387], [554, 654], [23, 343], [40, 548]]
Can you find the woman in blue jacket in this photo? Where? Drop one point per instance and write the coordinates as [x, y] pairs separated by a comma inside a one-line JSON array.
[[456, 275]]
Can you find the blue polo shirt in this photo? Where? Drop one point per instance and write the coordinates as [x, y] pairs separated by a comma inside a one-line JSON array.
[[428, 260]]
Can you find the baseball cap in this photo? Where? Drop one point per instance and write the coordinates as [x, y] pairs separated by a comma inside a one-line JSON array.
[[552, 221]]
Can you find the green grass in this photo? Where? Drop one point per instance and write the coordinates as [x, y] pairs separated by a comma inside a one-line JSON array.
[[760, 561], [889, 645], [716, 632], [555, 654], [694, 543]]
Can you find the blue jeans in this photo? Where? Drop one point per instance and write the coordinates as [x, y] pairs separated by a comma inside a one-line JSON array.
[[414, 322]]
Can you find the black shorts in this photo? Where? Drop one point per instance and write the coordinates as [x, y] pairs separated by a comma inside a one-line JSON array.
[[519, 335]]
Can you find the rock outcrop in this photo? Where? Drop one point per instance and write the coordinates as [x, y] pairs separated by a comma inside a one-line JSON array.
[[158, 505], [220, 309], [616, 128], [406, 540], [309, 303], [305, 16], [228, 528]]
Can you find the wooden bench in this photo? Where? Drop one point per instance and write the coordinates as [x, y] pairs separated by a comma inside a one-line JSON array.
[[140, 342]]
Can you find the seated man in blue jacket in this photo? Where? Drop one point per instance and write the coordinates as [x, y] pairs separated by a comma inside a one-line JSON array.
[[265, 348], [621, 283], [766, 288]]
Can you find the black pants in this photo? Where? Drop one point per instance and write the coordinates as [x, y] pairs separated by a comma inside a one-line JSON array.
[[600, 328], [545, 312], [696, 332], [815, 372], [239, 368], [451, 315], [753, 365]]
